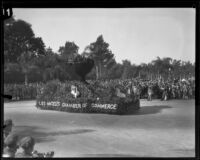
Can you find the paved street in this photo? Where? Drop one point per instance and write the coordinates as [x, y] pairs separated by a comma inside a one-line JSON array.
[[159, 129]]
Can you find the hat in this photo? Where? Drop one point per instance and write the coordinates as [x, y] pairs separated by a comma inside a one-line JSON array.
[[11, 140], [8, 122], [27, 142]]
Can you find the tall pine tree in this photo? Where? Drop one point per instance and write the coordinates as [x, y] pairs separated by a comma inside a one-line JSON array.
[[101, 54]]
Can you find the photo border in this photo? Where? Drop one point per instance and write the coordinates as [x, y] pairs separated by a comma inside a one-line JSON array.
[[116, 4]]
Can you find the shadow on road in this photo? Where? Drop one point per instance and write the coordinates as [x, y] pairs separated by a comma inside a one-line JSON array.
[[150, 110], [41, 136], [144, 110]]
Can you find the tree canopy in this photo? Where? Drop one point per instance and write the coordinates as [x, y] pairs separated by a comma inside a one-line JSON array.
[[25, 55], [101, 54], [69, 51], [21, 46]]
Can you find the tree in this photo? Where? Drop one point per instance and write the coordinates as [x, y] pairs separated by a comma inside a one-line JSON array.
[[69, 51], [126, 69], [151, 71], [108, 68], [116, 71], [187, 69], [143, 71], [45, 64], [158, 65], [100, 53], [176, 68], [21, 46]]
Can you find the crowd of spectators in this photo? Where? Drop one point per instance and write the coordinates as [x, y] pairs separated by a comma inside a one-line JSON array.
[[146, 89], [12, 144], [21, 91], [160, 89]]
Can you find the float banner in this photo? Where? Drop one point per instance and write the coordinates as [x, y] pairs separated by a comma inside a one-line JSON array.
[[76, 105]]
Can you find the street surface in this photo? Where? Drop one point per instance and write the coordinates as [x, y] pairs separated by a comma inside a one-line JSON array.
[[158, 129]]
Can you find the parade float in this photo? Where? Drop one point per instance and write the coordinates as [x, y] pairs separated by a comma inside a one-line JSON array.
[[84, 97]]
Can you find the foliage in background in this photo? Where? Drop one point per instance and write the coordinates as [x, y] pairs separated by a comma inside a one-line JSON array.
[[27, 60], [21, 47]]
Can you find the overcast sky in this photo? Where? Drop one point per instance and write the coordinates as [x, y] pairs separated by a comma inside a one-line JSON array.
[[136, 34]]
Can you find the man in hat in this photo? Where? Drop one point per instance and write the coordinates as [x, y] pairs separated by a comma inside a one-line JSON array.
[[10, 145], [8, 124], [27, 145]]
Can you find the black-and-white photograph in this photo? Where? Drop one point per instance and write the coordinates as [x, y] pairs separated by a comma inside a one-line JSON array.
[[99, 82]]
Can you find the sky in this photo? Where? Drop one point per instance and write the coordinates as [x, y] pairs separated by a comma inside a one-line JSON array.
[[135, 34]]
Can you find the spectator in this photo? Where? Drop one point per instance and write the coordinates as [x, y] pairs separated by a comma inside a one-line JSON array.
[[27, 145], [175, 89], [11, 146], [150, 93], [8, 124]]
